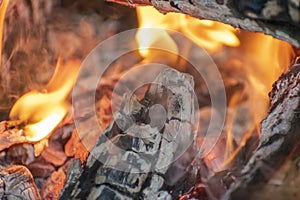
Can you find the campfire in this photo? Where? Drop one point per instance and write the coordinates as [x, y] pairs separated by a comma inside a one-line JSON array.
[[104, 101]]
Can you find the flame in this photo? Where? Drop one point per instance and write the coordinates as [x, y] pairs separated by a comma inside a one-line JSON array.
[[230, 138], [159, 38], [262, 60], [42, 111], [265, 59], [270, 58], [3, 7], [208, 34]]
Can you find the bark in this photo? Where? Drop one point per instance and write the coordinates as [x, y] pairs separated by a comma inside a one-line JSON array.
[[145, 168], [281, 19], [16, 182], [280, 134]]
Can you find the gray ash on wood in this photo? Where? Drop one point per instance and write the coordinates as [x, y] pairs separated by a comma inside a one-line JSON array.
[[144, 165], [16, 182]]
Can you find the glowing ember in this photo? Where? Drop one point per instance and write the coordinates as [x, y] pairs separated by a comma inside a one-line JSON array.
[[42, 111], [262, 62]]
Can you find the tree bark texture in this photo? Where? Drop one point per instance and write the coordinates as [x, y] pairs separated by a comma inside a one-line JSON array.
[[16, 182]]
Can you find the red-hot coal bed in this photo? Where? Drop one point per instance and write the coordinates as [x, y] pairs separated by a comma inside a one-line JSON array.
[[154, 100]]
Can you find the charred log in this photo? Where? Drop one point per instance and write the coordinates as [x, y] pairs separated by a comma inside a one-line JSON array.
[[281, 19], [146, 168], [280, 134]]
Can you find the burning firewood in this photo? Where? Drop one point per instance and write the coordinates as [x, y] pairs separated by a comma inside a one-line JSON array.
[[278, 139], [281, 19], [148, 144], [142, 164], [280, 134]]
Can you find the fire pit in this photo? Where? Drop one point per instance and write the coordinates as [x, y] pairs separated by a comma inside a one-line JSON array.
[[178, 108]]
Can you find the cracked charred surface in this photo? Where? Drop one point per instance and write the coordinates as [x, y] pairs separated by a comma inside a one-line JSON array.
[[281, 19], [280, 134], [16, 182], [147, 150]]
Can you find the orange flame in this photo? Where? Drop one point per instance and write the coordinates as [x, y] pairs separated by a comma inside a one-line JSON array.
[[270, 58], [42, 111], [3, 7], [262, 60], [208, 34], [156, 38]]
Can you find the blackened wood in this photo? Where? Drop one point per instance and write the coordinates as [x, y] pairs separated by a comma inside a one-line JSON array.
[[16, 182], [280, 134], [74, 172], [281, 19], [150, 146]]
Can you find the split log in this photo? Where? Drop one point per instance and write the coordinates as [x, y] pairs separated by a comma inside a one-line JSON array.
[[143, 164], [280, 134], [16, 182], [281, 19]]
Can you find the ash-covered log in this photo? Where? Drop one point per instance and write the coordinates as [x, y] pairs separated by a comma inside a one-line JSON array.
[[280, 135], [142, 154], [281, 19], [16, 182]]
